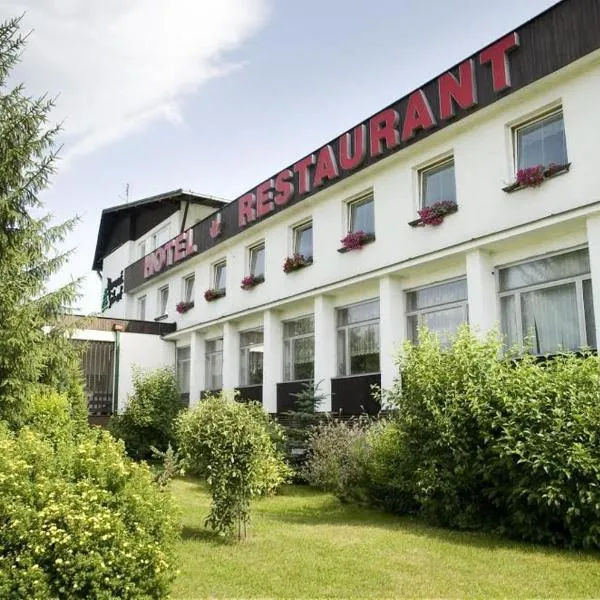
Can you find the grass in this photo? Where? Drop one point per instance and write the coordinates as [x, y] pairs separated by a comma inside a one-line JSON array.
[[305, 544]]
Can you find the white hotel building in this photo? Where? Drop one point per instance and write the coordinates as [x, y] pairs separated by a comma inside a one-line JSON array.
[[522, 258]]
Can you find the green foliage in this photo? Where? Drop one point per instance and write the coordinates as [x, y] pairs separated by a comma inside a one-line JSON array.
[[479, 441], [148, 420], [233, 446], [49, 414], [28, 243], [338, 458], [80, 520], [309, 399], [172, 465]]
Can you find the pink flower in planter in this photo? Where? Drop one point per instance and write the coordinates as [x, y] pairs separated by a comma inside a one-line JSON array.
[[434, 214], [250, 281], [354, 240], [292, 263], [531, 177], [183, 307]]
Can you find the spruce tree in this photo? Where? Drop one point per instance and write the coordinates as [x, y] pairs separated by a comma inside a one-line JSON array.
[[32, 344]]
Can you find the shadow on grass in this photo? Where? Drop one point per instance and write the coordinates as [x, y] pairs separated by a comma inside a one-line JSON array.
[[203, 535], [334, 512]]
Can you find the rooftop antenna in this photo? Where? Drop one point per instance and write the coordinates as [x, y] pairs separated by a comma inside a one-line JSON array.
[[127, 193]]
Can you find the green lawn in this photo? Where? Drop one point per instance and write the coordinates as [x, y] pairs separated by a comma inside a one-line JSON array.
[[306, 544]]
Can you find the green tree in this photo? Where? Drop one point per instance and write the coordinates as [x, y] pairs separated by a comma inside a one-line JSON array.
[[29, 241]]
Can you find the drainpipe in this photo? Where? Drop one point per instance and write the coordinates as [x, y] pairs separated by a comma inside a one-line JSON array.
[[117, 329]]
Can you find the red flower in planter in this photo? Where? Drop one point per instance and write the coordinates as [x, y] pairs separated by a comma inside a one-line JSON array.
[[250, 281], [531, 177], [354, 240], [183, 307], [434, 214], [295, 262]]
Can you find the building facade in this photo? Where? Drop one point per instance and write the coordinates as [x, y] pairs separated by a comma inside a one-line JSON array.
[[472, 199]]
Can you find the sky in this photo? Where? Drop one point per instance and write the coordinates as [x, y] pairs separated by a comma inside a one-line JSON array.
[[217, 95]]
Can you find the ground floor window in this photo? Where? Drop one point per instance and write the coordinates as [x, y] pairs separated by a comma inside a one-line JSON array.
[[546, 304], [251, 357], [358, 338], [299, 349], [182, 369], [441, 308], [214, 364]]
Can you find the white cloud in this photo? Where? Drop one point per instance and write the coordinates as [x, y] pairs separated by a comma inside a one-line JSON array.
[[119, 64]]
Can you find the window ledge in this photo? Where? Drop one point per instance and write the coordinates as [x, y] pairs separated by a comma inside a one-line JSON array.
[[306, 263], [216, 294], [515, 187], [419, 222], [161, 318], [256, 281], [370, 374], [369, 238]]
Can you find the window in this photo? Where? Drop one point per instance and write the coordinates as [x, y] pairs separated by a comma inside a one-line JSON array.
[[214, 364], [142, 249], [361, 215], [541, 142], [182, 369], [163, 299], [141, 308], [299, 349], [442, 308], [257, 261], [437, 183], [303, 240], [251, 357], [162, 236], [188, 288], [548, 303], [358, 338], [220, 275]]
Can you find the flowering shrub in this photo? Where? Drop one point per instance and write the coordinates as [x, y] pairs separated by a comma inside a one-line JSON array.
[[355, 240], [183, 307], [212, 294], [530, 177], [80, 520], [295, 262], [434, 214], [250, 281]]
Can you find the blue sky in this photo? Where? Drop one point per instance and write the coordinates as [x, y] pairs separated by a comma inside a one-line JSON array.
[[216, 95]]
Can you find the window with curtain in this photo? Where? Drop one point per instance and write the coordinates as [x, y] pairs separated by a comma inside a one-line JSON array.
[[220, 275], [163, 299], [182, 369], [251, 357], [303, 240], [188, 288], [541, 142], [358, 338], [214, 364], [438, 183], [257, 261], [141, 308], [361, 215], [299, 349], [442, 308], [162, 236], [546, 305]]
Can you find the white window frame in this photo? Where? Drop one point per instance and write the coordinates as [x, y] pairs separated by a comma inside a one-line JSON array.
[[157, 234], [438, 307], [215, 268], [191, 277], [292, 346], [347, 328], [251, 250], [207, 360], [188, 360], [298, 228], [142, 301], [160, 291], [540, 116], [363, 198], [142, 249], [244, 376], [576, 279], [422, 172]]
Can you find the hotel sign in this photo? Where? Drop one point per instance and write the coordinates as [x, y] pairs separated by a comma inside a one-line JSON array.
[[168, 254]]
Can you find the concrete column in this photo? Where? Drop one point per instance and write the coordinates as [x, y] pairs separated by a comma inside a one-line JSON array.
[[481, 283], [392, 324], [325, 347], [272, 359], [231, 356], [593, 235], [197, 364]]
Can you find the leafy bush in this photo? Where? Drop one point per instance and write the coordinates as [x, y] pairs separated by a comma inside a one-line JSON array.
[[234, 447], [148, 420], [80, 520], [485, 442], [338, 458]]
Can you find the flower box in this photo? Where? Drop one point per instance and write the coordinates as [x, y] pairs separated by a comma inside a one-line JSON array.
[[295, 262], [250, 281], [355, 241], [183, 307], [214, 294], [535, 176], [435, 214]]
